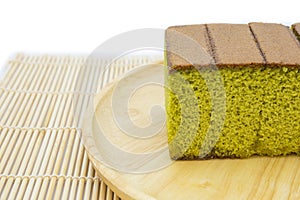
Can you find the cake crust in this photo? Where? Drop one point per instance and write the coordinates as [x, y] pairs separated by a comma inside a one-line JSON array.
[[232, 45], [278, 43], [181, 42]]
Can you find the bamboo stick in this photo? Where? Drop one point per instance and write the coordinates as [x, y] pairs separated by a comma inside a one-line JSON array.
[[14, 190], [14, 80], [97, 65], [109, 194], [5, 193], [14, 170], [73, 159], [4, 102], [89, 182], [89, 85], [21, 119], [47, 159], [102, 191], [10, 70], [69, 146], [35, 151], [32, 162], [28, 161], [76, 154], [9, 143], [57, 139], [58, 161], [96, 186], [18, 142], [116, 197], [9, 99], [78, 109], [12, 159], [69, 122], [44, 181], [61, 181], [17, 70]]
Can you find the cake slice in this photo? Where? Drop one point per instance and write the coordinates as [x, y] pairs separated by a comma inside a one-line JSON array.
[[233, 90]]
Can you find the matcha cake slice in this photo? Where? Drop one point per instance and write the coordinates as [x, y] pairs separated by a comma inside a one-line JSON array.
[[233, 90]]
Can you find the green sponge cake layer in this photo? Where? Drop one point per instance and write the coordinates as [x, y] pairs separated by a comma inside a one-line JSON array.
[[257, 105], [262, 112]]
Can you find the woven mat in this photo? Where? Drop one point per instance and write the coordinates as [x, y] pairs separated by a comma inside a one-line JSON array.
[[42, 102]]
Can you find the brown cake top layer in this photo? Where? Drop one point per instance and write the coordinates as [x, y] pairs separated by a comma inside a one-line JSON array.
[[234, 44], [187, 44], [228, 45], [278, 43]]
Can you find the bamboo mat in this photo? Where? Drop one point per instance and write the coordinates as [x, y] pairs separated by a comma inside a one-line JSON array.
[[42, 102]]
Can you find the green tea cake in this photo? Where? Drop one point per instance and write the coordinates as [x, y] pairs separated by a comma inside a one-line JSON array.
[[233, 90]]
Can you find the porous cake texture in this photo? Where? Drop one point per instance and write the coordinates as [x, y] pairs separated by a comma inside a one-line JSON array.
[[258, 65]]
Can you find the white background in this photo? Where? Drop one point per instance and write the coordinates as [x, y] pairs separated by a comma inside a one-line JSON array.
[[71, 26]]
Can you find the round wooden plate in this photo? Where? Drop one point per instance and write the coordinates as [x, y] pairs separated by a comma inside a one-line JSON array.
[[125, 137]]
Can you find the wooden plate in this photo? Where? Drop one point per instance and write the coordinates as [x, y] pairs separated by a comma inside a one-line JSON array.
[[135, 164]]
